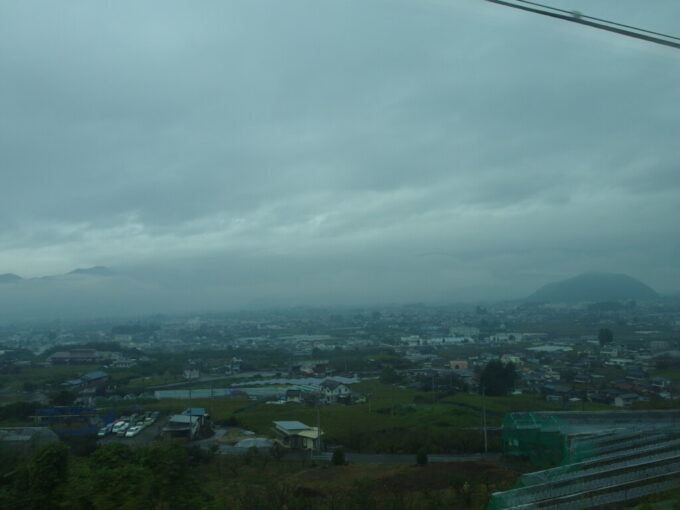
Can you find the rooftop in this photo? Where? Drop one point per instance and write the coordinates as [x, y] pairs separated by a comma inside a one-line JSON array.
[[291, 425], [195, 411]]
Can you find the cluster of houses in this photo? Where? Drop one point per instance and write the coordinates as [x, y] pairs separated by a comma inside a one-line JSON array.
[[87, 383], [329, 391], [611, 375], [567, 371], [230, 367], [311, 367], [91, 357]]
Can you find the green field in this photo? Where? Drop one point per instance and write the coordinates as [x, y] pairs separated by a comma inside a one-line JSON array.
[[519, 403], [393, 419], [40, 376], [219, 409], [672, 373], [389, 421]]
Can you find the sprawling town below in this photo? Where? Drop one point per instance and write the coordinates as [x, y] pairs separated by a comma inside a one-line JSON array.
[[358, 396]]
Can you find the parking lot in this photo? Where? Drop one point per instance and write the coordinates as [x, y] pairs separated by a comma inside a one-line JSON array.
[[145, 437]]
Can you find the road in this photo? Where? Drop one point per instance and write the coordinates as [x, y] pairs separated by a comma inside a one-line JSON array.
[[147, 435], [376, 458], [411, 459], [211, 380]]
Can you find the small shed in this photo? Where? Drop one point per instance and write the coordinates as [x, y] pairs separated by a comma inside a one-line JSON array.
[[182, 426]]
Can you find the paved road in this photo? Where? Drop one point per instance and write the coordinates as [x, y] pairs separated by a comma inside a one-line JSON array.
[[411, 459], [211, 379], [377, 458]]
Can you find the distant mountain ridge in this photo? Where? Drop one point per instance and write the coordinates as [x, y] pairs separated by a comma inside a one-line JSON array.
[[9, 278], [89, 271], [93, 271], [593, 287]]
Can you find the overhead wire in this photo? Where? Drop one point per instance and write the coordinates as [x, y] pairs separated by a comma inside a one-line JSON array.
[[577, 17], [585, 16]]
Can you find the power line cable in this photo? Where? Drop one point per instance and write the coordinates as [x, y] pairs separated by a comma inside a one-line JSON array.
[[584, 16], [610, 26]]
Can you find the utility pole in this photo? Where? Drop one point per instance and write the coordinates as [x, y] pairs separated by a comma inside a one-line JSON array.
[[212, 396], [486, 442], [433, 392], [318, 427], [392, 401]]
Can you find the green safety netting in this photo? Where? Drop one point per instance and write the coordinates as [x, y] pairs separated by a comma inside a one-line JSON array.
[[559, 443]]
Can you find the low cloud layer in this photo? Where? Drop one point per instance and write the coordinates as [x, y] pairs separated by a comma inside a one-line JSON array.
[[316, 151]]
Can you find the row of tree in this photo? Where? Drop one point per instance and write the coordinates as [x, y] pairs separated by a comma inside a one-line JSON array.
[[114, 476]]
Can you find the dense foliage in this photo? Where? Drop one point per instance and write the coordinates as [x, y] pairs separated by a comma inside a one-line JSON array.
[[112, 477], [605, 336], [167, 475], [498, 378]]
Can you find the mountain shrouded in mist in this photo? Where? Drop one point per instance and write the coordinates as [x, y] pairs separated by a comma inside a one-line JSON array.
[[9, 278], [593, 287]]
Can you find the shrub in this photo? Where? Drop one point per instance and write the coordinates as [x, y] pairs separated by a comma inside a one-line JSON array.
[[421, 457], [338, 458]]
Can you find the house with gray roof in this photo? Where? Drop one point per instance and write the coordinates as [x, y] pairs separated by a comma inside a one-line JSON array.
[[298, 436], [25, 439]]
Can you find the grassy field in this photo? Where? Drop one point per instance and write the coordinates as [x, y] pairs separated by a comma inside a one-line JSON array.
[[258, 483], [127, 379], [140, 384], [672, 373], [388, 408], [219, 409], [389, 422], [43, 375], [519, 403]]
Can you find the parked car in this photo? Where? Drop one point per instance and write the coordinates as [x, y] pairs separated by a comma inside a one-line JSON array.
[[120, 430], [133, 431], [117, 425], [105, 430]]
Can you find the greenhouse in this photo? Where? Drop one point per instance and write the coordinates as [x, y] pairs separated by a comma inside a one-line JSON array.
[[592, 458]]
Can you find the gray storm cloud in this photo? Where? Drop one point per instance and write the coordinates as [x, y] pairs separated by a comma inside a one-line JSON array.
[[318, 151]]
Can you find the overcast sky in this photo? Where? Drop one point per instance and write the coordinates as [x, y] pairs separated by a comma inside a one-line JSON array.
[[331, 151]]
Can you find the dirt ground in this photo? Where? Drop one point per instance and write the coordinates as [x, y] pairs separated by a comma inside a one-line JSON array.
[[404, 478]]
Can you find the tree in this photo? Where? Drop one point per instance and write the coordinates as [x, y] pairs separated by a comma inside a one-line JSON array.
[[421, 457], [111, 478], [605, 336], [252, 455], [389, 375], [41, 481], [338, 458], [277, 451], [497, 378], [171, 481], [62, 398]]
